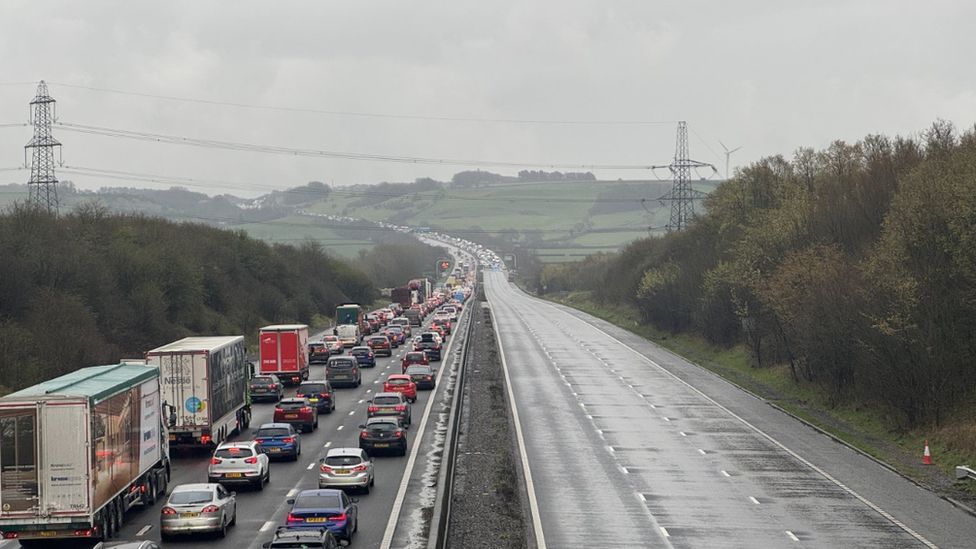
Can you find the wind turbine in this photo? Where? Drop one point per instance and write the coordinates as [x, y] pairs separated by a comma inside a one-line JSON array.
[[728, 153]]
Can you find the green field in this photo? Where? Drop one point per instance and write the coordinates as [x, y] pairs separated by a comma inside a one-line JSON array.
[[296, 229]]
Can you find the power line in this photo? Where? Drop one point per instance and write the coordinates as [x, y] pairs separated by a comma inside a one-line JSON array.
[[362, 114], [290, 151]]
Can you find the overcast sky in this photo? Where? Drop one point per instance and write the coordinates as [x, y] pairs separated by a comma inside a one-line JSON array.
[[769, 76]]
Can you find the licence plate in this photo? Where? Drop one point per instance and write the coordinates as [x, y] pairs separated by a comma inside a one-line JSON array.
[[291, 416], [274, 450], [315, 519], [172, 437], [382, 445], [189, 515], [234, 475], [47, 533], [342, 471], [313, 400]]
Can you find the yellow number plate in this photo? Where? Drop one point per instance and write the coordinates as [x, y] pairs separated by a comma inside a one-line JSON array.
[[315, 519], [234, 475]]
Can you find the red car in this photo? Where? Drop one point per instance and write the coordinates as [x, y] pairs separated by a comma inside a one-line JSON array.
[[299, 412], [413, 357], [439, 330], [401, 383]]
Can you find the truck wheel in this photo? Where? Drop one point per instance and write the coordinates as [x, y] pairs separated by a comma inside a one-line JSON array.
[[119, 515], [104, 526], [150, 495]]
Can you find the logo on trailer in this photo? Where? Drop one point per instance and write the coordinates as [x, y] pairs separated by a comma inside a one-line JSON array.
[[194, 405]]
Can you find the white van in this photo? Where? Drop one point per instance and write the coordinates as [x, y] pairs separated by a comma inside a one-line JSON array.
[[349, 334]]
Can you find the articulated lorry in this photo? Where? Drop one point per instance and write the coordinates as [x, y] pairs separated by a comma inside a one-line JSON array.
[[78, 451], [404, 296], [204, 384], [284, 352]]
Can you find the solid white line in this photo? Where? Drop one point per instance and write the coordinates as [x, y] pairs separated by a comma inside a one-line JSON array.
[[292, 493], [142, 531], [405, 479], [765, 435], [754, 500], [540, 538], [310, 466], [792, 536], [266, 526], [664, 531]]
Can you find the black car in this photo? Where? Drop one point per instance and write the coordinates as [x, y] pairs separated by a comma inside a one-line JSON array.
[[383, 434], [266, 388], [430, 344], [423, 375], [318, 352], [319, 393], [312, 538]]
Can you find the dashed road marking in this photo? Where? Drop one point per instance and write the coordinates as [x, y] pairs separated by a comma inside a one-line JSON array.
[[362, 400], [327, 444], [682, 433], [700, 451], [310, 466], [792, 536], [339, 428], [754, 500], [353, 412], [726, 474], [664, 532]]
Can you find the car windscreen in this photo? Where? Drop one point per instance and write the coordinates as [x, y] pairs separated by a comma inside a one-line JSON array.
[[316, 501], [233, 452], [357, 351], [334, 461], [386, 401], [295, 544], [395, 329], [306, 388], [272, 432], [291, 404], [414, 356], [262, 381], [418, 370], [383, 426], [398, 381], [427, 338], [377, 341], [340, 364], [191, 497]]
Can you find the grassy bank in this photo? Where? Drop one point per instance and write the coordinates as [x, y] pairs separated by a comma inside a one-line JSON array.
[[954, 443]]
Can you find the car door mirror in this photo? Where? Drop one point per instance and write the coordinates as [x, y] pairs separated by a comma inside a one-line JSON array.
[[290, 501], [266, 544], [233, 494], [354, 500]]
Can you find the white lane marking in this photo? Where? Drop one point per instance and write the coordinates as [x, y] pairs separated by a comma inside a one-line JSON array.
[[375, 382], [792, 536], [142, 531], [700, 451], [339, 428], [292, 493], [611, 449], [888, 516], [310, 466], [642, 497], [369, 390], [726, 473], [266, 526], [624, 470], [540, 538], [362, 400], [327, 444], [754, 500], [664, 532], [665, 418], [682, 433], [353, 412], [405, 479]]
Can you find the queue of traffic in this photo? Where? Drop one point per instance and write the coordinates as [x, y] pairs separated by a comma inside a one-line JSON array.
[[92, 444]]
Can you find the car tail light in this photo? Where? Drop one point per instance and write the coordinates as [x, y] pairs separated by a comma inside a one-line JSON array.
[[359, 468], [428, 378], [300, 395], [339, 517], [251, 460], [295, 518], [84, 533], [398, 434], [205, 439], [168, 511], [210, 509], [273, 386], [288, 440], [401, 408], [325, 468], [260, 440], [215, 461], [363, 434], [372, 409], [306, 410]]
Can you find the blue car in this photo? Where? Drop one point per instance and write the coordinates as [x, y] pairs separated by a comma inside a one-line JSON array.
[[279, 440], [330, 508], [364, 355]]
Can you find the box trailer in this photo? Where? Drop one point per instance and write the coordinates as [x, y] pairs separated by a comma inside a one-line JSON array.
[[403, 296], [204, 384], [284, 352], [78, 451]]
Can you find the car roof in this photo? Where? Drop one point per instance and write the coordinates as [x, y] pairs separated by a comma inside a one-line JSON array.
[[274, 426], [194, 487], [388, 394], [344, 452], [360, 348], [263, 375], [381, 419], [320, 492], [237, 444], [420, 367], [293, 399], [397, 376]]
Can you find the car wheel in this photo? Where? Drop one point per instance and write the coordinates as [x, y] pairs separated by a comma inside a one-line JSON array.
[[372, 480], [316, 424], [267, 476], [233, 519], [403, 451], [366, 488], [165, 537], [222, 532]]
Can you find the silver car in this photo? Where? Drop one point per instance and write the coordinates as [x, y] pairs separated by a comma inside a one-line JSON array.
[[198, 508], [346, 468], [239, 462]]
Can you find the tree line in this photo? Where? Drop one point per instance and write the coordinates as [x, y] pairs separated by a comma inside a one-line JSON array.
[[91, 287], [855, 266]]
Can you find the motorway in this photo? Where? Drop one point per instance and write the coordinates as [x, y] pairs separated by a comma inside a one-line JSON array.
[[259, 512], [628, 445]]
